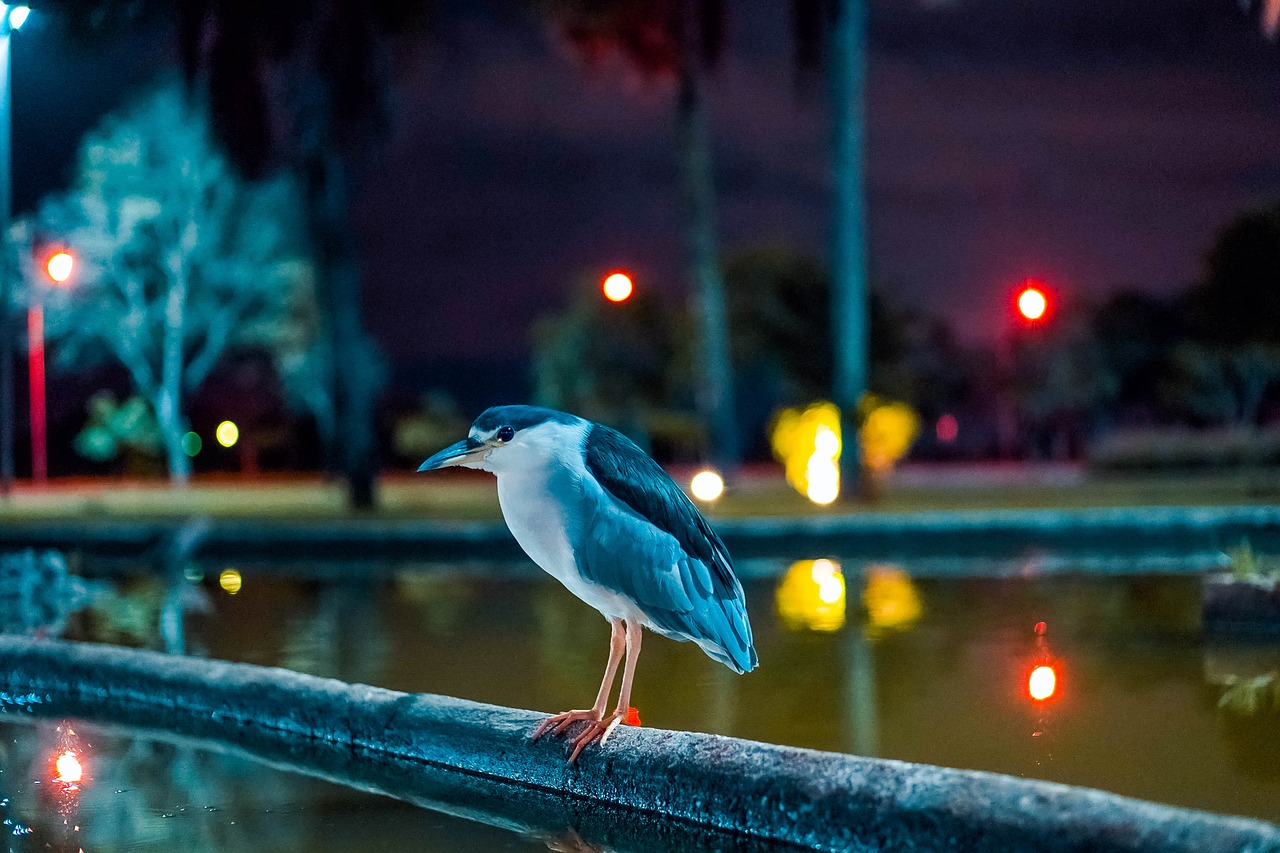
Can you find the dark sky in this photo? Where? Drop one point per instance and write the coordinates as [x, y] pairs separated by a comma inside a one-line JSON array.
[[1094, 144]]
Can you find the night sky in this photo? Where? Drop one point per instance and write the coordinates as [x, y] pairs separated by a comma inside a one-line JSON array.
[[1094, 144]]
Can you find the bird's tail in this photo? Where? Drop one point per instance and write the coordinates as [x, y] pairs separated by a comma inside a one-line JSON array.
[[729, 634]]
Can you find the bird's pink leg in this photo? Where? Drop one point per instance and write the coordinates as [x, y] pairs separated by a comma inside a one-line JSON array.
[[559, 722], [601, 727]]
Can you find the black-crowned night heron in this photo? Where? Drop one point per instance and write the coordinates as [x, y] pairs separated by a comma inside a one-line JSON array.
[[605, 520]]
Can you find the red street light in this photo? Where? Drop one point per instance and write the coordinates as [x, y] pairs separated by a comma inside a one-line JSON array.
[[617, 287], [1032, 302]]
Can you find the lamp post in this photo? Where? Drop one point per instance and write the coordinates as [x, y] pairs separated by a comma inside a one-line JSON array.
[[11, 18], [59, 268]]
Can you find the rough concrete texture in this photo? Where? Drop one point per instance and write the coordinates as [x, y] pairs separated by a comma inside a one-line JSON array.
[[647, 789]]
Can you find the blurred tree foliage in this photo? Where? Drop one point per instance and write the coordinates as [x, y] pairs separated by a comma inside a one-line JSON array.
[[631, 364], [116, 429], [178, 259]]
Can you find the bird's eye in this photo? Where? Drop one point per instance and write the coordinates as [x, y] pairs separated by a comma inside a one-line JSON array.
[[505, 434]]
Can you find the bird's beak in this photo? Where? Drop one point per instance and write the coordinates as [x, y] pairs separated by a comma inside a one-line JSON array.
[[455, 454]]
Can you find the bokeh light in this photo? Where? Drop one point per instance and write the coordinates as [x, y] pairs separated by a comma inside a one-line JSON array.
[[230, 581], [807, 443], [812, 596], [67, 767], [18, 16], [59, 266], [617, 287], [1032, 303], [1043, 683], [191, 444], [227, 433], [707, 486], [947, 429]]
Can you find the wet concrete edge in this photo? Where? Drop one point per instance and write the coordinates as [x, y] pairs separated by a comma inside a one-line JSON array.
[[822, 801]]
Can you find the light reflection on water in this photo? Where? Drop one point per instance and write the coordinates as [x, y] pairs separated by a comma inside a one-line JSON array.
[[929, 668], [148, 795]]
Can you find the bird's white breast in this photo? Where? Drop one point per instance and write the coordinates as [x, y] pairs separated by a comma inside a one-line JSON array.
[[536, 516]]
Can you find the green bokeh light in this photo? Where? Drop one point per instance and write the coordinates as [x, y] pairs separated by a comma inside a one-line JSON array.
[[191, 444]]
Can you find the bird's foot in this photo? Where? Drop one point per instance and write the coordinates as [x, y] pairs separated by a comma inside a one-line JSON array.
[[557, 723], [596, 730]]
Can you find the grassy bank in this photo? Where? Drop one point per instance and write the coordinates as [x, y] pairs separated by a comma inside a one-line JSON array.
[[760, 492]]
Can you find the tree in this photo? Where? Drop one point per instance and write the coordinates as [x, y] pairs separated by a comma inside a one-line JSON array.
[[304, 86], [679, 40], [178, 258], [837, 28]]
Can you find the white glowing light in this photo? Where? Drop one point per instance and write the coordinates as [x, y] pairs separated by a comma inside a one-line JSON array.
[[68, 767], [1043, 682], [707, 486]]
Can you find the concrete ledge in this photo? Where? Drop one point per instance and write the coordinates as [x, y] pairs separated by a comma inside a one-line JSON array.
[[648, 789]]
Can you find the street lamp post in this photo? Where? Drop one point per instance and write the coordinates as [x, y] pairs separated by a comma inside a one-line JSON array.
[[59, 269], [11, 18]]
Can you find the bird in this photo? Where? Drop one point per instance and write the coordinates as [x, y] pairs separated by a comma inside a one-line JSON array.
[[599, 515]]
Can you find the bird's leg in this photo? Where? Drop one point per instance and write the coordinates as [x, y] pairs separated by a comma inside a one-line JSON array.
[[601, 727], [559, 722]]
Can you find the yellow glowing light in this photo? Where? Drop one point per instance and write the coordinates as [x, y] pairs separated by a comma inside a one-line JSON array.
[[811, 596], [230, 581], [618, 287], [891, 599], [1042, 683], [888, 428], [227, 433], [59, 266], [68, 768], [807, 443], [1032, 303], [707, 486]]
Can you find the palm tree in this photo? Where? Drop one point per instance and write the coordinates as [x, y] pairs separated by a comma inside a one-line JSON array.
[[679, 40], [300, 85], [837, 28]]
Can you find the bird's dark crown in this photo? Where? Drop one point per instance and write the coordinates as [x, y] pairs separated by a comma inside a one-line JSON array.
[[519, 417]]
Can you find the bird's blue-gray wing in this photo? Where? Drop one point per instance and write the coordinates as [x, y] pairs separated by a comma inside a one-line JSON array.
[[644, 538]]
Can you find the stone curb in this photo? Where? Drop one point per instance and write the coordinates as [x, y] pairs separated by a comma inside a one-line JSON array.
[[477, 760], [872, 535]]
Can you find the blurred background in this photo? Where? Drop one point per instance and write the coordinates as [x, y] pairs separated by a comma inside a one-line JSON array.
[[344, 229]]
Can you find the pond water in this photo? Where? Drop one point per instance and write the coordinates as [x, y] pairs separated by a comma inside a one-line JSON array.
[[922, 662]]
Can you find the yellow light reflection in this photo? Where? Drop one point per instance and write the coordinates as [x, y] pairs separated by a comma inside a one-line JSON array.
[[1043, 683], [707, 486], [230, 581], [811, 596], [227, 433], [67, 767], [891, 599]]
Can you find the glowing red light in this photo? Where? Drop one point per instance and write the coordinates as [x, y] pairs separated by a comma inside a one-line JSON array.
[[947, 428], [1043, 683], [68, 769], [617, 287], [1040, 628], [1033, 304], [59, 266]]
